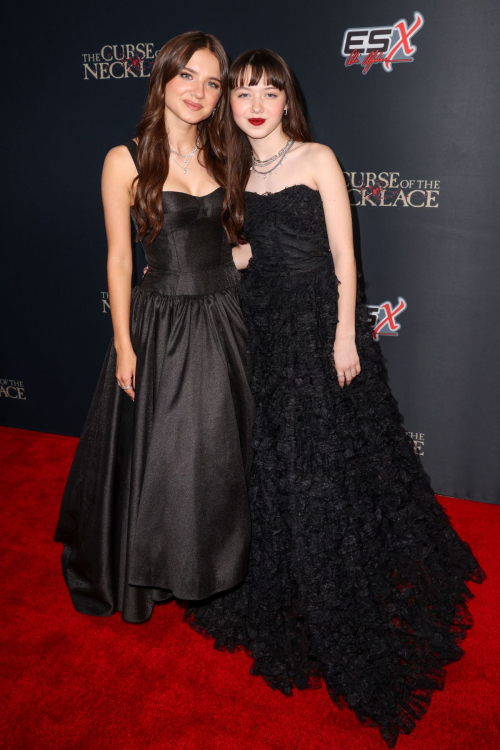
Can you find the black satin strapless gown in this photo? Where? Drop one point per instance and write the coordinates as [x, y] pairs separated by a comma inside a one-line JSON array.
[[156, 501], [356, 576]]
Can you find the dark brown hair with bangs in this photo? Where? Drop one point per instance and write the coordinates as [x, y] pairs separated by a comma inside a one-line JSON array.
[[153, 149], [248, 70]]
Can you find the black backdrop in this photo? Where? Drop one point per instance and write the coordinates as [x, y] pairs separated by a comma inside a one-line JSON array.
[[431, 242]]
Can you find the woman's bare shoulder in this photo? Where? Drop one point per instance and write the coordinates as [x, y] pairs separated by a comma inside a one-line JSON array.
[[319, 152], [119, 155], [119, 165]]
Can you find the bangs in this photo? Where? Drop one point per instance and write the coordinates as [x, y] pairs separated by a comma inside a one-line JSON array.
[[258, 67]]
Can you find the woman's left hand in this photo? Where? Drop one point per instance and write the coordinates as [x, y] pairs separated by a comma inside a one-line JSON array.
[[345, 359]]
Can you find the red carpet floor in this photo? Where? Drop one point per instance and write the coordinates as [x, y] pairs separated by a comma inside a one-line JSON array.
[[69, 681]]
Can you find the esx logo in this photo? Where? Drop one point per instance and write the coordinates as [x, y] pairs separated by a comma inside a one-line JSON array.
[[381, 44], [383, 318]]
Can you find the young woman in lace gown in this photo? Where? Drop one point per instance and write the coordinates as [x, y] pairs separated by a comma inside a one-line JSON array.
[[156, 501], [356, 576]]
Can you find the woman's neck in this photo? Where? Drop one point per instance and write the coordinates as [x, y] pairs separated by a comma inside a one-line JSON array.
[[182, 136], [264, 148]]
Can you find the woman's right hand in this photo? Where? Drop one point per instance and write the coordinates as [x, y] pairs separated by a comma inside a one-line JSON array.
[[125, 370]]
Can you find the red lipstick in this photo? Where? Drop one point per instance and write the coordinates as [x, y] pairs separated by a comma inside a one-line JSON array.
[[256, 121]]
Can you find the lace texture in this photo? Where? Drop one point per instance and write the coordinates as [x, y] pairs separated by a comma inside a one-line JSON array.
[[356, 577]]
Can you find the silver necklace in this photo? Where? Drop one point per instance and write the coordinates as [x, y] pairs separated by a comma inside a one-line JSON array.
[[266, 162], [279, 157], [186, 158]]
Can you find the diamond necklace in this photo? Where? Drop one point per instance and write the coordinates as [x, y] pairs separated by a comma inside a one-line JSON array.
[[186, 158], [281, 156]]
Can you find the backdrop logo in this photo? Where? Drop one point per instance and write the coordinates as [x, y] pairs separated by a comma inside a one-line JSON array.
[[386, 189], [119, 61], [383, 318], [386, 45], [12, 389], [105, 302], [418, 442]]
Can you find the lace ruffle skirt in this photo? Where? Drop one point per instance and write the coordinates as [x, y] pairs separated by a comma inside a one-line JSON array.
[[356, 576]]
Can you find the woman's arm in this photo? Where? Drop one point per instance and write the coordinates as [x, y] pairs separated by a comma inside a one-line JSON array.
[[117, 176], [241, 256], [331, 185]]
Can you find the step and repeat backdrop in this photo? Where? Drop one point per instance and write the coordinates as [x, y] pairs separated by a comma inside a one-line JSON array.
[[406, 95]]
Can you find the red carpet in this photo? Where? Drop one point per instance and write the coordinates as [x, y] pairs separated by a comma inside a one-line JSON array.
[[69, 681]]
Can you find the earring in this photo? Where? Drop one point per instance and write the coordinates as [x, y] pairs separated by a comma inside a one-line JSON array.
[[213, 112], [285, 111]]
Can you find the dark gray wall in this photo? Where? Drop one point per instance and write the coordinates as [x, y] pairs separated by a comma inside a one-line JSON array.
[[433, 120]]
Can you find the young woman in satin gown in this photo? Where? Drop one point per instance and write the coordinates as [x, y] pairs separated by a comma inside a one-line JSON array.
[[156, 502], [356, 576]]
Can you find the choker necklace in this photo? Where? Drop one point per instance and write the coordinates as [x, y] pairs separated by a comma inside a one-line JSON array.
[[186, 158], [281, 155]]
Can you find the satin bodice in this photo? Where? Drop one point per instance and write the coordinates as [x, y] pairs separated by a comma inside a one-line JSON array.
[[287, 230], [191, 254], [192, 237]]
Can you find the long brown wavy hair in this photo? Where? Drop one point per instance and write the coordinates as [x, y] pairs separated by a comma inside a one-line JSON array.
[[247, 70], [153, 148]]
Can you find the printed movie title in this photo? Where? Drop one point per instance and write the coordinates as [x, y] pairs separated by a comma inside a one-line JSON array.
[[385, 189], [120, 61], [12, 389]]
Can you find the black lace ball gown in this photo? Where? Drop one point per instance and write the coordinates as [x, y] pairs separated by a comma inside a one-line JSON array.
[[156, 501], [356, 575]]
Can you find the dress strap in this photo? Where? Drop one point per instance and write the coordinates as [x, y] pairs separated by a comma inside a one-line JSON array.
[[132, 147]]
